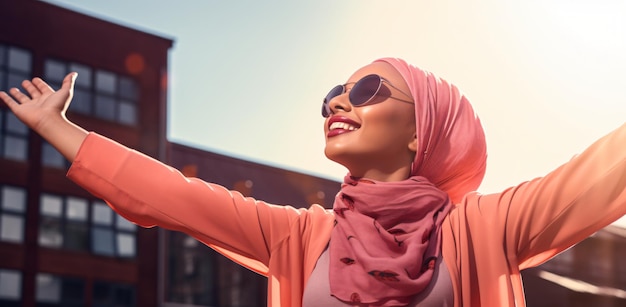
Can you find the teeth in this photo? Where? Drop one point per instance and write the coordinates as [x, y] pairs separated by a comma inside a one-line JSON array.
[[344, 126]]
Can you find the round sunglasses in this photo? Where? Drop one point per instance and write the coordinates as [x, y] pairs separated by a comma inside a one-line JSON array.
[[361, 94]]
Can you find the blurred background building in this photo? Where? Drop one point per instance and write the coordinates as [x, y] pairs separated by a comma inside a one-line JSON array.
[[60, 246]]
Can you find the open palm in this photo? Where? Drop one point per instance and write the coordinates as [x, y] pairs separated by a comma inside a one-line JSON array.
[[41, 103]]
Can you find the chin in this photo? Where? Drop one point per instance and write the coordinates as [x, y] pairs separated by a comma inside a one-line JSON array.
[[333, 155], [342, 158]]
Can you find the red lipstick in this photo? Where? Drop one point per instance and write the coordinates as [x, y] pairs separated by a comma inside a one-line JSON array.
[[340, 124]]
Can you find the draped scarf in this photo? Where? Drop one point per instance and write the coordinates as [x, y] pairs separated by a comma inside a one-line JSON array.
[[387, 238]]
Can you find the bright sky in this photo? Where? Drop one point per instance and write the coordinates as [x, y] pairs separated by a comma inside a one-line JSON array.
[[547, 78]]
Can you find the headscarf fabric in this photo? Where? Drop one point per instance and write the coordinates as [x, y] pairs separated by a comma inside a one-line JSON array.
[[452, 152], [388, 234]]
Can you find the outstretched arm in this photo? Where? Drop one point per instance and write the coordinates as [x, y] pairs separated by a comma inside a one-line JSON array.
[[43, 110]]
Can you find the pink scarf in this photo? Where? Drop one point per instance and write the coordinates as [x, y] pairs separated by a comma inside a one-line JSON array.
[[386, 240], [387, 234]]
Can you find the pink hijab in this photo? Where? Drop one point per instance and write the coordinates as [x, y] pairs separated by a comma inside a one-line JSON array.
[[452, 151], [388, 234]]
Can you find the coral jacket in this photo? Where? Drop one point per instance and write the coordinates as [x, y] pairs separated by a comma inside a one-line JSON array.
[[487, 239]]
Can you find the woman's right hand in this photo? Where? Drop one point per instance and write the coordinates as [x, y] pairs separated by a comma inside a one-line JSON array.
[[42, 103], [43, 110]]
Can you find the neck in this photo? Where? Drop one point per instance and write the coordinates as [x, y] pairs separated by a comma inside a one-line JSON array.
[[383, 175]]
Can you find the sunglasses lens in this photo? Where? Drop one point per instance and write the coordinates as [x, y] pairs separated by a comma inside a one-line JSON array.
[[361, 93], [325, 110], [336, 91], [364, 90]]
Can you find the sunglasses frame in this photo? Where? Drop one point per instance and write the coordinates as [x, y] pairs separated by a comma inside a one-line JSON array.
[[341, 89]]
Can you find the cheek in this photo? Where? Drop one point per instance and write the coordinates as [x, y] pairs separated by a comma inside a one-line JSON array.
[[392, 119], [395, 127]]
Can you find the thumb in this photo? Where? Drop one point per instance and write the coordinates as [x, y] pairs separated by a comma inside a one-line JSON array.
[[69, 81]]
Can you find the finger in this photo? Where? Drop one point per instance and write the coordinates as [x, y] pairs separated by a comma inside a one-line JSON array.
[[69, 80], [32, 90], [42, 86], [8, 100], [19, 96]]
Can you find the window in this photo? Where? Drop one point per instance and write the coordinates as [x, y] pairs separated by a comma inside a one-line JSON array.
[[51, 157], [191, 272], [12, 211], [10, 287], [77, 224], [128, 97], [52, 290], [63, 222], [98, 93], [196, 274], [111, 234], [107, 294], [15, 66], [13, 137]]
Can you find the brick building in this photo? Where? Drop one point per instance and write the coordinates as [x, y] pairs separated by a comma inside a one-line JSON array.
[[60, 246]]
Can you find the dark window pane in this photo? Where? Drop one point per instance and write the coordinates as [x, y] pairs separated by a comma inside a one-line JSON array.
[[19, 59], [13, 199], [15, 148], [128, 89], [54, 70], [105, 82], [76, 236], [51, 205], [73, 291], [102, 242], [50, 234], [51, 157], [3, 79], [125, 245], [101, 214], [3, 55], [110, 294], [11, 228], [48, 289], [10, 285], [14, 125], [10, 303], [81, 103], [127, 113], [84, 75], [76, 209], [15, 80], [124, 297], [102, 293], [105, 107]]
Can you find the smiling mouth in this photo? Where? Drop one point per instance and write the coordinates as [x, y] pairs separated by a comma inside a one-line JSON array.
[[342, 126]]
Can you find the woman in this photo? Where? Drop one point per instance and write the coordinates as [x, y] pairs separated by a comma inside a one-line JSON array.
[[406, 228]]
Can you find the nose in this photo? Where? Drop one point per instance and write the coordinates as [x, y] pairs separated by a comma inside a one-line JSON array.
[[340, 103]]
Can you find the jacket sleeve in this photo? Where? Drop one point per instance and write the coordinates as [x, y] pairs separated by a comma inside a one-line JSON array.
[[547, 215], [150, 193]]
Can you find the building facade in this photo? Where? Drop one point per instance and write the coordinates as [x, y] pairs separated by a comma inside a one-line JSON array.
[[59, 245]]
